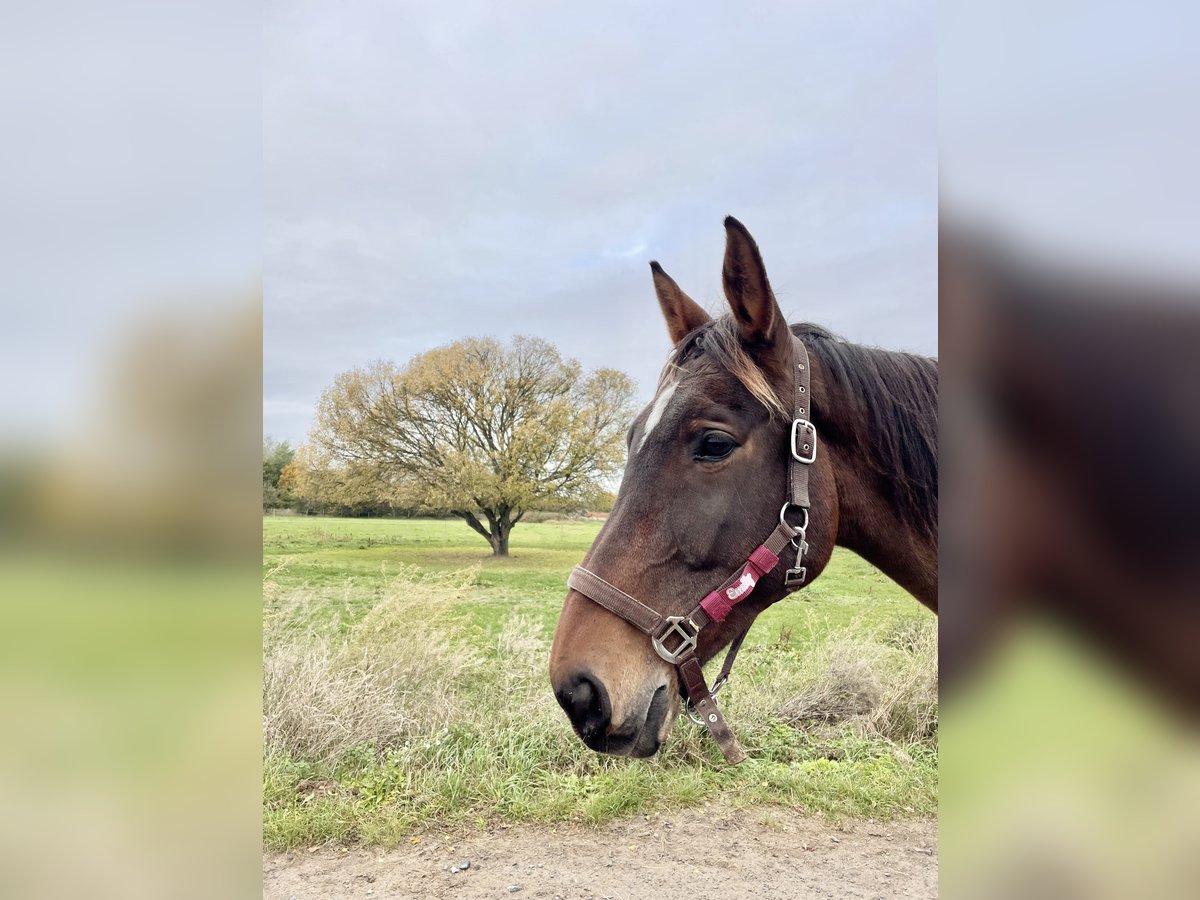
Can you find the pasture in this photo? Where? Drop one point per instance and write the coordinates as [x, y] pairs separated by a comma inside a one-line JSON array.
[[405, 687]]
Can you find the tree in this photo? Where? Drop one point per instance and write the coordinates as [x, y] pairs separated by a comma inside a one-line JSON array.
[[314, 482], [276, 457], [477, 429]]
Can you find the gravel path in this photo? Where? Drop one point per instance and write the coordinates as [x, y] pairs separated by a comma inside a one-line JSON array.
[[699, 853]]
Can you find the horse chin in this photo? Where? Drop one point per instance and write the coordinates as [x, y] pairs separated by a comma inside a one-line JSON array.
[[643, 751], [660, 714], [643, 739]]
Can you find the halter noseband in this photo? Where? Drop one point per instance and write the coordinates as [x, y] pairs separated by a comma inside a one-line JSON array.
[[674, 638]]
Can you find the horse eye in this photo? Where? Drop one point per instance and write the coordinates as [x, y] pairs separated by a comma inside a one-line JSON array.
[[715, 445]]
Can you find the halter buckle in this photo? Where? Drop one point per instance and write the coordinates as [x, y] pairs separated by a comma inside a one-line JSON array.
[[675, 628], [692, 714], [795, 577], [798, 453], [797, 530]]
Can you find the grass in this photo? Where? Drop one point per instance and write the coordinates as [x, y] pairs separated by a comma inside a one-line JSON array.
[[405, 687]]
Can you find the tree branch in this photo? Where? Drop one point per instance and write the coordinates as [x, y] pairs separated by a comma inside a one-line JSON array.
[[475, 524]]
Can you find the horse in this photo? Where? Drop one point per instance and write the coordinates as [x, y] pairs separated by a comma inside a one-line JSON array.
[[713, 464]]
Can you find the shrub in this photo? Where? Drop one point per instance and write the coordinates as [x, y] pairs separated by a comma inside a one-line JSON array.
[[879, 685]]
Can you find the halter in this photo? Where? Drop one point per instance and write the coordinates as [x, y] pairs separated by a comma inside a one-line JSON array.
[[674, 638]]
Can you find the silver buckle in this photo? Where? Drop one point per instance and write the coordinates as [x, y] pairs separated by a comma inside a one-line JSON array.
[[687, 640], [796, 529], [797, 455], [695, 716], [698, 719], [795, 577]]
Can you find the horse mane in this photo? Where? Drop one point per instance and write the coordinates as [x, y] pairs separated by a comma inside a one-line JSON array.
[[884, 406]]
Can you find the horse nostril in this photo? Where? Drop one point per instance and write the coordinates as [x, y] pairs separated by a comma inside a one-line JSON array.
[[587, 705]]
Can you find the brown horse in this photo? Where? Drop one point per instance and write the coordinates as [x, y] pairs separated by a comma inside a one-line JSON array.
[[704, 482]]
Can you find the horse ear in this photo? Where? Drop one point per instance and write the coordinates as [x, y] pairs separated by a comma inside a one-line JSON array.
[[758, 316], [683, 314]]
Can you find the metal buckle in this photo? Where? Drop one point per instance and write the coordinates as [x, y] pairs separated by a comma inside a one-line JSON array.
[[797, 455], [797, 530], [690, 710], [795, 577], [687, 640], [691, 713]]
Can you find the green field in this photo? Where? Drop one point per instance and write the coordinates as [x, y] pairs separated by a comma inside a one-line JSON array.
[[388, 642]]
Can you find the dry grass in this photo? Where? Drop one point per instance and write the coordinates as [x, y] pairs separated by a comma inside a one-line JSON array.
[[521, 654], [395, 675], [398, 674], [882, 685]]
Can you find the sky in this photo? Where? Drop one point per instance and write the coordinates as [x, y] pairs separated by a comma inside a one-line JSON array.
[[438, 171]]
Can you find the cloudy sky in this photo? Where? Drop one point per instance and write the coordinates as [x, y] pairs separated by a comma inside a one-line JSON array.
[[435, 171]]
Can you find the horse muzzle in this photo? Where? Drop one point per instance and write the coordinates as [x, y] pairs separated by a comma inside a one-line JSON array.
[[639, 732]]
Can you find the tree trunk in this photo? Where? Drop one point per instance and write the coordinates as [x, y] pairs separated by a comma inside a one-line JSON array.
[[499, 542], [499, 526], [502, 525]]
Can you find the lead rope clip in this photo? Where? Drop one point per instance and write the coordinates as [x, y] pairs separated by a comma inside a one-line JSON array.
[[795, 576]]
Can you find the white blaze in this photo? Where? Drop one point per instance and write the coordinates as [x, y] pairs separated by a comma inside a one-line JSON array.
[[656, 411]]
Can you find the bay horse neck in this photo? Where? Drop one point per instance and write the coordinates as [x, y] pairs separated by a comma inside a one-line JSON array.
[[876, 413]]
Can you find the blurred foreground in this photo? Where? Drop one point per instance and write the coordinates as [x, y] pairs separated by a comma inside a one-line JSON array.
[[129, 429], [129, 627], [1070, 576], [1069, 314]]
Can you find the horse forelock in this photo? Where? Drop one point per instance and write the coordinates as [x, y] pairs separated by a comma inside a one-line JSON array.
[[720, 341]]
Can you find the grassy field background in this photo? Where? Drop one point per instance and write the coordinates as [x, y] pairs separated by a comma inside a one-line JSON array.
[[405, 686]]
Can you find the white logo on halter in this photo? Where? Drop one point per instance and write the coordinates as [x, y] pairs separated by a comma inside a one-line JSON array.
[[745, 584]]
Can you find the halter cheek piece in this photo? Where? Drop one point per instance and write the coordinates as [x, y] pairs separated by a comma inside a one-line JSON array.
[[675, 637]]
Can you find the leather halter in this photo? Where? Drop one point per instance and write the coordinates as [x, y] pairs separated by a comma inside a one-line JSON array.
[[674, 638]]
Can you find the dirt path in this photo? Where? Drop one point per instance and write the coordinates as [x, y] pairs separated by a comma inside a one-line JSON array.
[[762, 853]]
